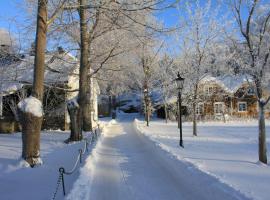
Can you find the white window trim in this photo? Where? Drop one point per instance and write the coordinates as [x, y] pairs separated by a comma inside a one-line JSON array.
[[241, 102], [251, 93], [206, 89], [223, 106], [197, 108]]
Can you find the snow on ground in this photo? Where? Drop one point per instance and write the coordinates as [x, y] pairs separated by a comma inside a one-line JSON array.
[[127, 165], [82, 186], [21, 182], [226, 151]]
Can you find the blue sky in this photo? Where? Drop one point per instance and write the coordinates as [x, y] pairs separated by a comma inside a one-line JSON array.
[[9, 10]]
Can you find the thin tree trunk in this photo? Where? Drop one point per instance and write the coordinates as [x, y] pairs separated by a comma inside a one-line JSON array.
[[194, 111], [31, 124], [110, 106], [114, 107], [166, 113], [262, 136]]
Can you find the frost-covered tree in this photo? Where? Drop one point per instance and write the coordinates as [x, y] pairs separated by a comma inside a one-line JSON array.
[[30, 109], [253, 19], [165, 72], [200, 34]]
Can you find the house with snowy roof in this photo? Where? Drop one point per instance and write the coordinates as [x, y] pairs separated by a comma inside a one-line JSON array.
[[228, 95], [61, 82]]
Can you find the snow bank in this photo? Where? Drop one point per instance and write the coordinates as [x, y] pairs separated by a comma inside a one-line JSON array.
[[225, 151], [82, 187], [31, 105], [43, 179]]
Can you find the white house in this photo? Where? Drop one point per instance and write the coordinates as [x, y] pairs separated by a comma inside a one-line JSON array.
[[61, 81]]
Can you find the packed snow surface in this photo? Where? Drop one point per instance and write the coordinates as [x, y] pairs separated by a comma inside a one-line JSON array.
[[31, 105], [126, 165], [227, 151]]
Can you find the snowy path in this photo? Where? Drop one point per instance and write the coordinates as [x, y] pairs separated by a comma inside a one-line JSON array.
[[127, 165]]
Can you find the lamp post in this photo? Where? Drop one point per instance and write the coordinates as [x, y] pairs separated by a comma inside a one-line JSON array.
[[180, 82]]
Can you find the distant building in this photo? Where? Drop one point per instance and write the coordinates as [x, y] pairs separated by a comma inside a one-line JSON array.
[[227, 96]]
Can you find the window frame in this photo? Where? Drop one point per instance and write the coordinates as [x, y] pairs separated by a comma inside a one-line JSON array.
[[198, 106], [223, 107], [238, 106], [252, 89], [209, 90]]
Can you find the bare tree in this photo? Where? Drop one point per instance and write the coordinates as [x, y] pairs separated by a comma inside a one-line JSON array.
[[31, 121], [31, 124], [200, 34], [254, 27]]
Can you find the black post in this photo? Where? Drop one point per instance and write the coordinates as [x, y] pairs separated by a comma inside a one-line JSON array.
[[62, 171], [180, 119], [147, 110], [80, 152]]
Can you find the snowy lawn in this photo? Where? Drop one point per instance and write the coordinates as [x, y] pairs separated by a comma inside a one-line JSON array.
[[21, 182], [226, 151]]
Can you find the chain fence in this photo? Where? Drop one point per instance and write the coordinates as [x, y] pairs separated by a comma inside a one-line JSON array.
[[62, 171]]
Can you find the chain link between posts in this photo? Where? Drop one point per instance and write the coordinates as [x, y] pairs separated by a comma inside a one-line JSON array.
[[87, 141]]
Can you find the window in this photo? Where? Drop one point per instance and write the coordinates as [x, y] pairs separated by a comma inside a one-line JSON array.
[[219, 108], [199, 109], [242, 106], [209, 90], [250, 91]]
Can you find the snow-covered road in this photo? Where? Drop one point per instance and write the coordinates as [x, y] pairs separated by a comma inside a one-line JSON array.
[[127, 165]]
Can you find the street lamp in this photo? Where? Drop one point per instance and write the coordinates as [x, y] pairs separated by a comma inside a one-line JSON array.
[[180, 82]]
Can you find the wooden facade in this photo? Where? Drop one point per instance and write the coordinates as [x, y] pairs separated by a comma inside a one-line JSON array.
[[216, 101]]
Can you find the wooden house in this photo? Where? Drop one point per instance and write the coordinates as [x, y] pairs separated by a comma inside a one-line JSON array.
[[61, 84], [227, 96]]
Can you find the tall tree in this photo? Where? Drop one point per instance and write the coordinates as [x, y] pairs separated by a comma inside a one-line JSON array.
[[30, 120], [200, 34], [253, 19], [30, 109]]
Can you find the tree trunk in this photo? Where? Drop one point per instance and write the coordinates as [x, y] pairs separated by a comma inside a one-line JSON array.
[[114, 107], [262, 136], [87, 110], [75, 122], [31, 125], [194, 111], [110, 105], [84, 84], [166, 113]]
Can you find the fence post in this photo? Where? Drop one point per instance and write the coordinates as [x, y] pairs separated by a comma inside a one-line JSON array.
[[62, 171], [87, 145], [80, 152]]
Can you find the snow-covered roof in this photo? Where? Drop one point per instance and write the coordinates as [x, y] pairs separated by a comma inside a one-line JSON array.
[[229, 83], [59, 67]]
